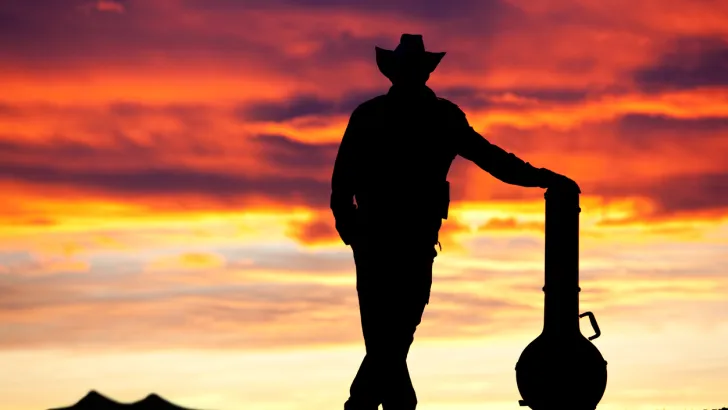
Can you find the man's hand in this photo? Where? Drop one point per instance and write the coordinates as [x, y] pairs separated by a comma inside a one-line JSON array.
[[552, 180]]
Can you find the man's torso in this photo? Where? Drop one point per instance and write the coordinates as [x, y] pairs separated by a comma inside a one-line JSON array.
[[404, 148]]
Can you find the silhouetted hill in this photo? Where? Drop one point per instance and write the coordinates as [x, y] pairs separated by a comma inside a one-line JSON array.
[[94, 401], [154, 402], [97, 401]]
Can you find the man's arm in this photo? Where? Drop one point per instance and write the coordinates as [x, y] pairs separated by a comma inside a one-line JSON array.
[[503, 165], [342, 182]]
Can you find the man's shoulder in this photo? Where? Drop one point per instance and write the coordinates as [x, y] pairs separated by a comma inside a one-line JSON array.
[[376, 104], [450, 107], [371, 104]]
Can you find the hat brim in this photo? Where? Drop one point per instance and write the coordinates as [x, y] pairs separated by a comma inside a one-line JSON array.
[[388, 61]]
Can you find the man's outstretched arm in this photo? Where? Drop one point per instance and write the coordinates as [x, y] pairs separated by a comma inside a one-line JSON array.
[[503, 165], [342, 182]]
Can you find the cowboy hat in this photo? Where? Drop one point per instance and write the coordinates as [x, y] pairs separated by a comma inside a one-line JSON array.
[[411, 50]]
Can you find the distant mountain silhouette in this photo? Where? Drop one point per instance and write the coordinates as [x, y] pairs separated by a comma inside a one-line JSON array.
[[154, 402], [94, 401], [97, 401]]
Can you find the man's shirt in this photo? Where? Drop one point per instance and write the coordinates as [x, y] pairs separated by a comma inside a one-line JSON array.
[[396, 153]]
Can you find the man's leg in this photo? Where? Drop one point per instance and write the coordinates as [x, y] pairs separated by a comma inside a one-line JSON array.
[[389, 321], [404, 312], [365, 391], [393, 291]]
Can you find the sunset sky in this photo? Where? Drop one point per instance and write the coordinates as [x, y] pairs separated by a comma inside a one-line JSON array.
[[165, 168]]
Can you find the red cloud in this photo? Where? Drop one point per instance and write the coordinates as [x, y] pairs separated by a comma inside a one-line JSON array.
[[319, 230]]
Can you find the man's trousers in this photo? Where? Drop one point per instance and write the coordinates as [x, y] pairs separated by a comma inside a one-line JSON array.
[[393, 286]]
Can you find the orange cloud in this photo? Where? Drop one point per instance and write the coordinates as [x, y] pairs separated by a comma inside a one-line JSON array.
[[509, 224], [319, 230]]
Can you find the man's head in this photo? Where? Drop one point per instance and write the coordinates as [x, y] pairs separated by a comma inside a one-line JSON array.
[[409, 63]]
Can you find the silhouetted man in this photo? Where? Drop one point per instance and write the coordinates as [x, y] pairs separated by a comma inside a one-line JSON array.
[[389, 197]]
